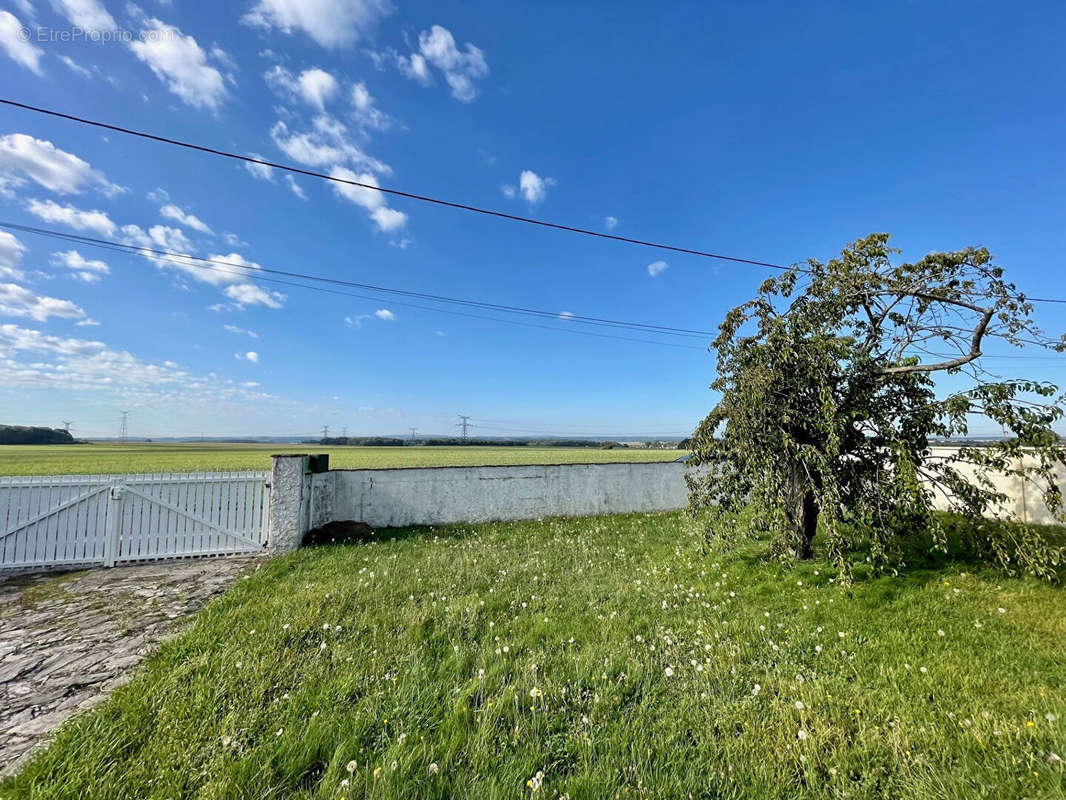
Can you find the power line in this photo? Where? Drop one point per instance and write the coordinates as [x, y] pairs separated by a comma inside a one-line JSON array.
[[414, 196], [184, 259], [464, 423], [394, 192], [252, 273], [123, 428]]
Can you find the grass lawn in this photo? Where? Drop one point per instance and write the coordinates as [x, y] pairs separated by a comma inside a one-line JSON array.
[[94, 459], [607, 655]]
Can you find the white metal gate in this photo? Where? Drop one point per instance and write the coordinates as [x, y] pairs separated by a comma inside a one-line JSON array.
[[68, 520]]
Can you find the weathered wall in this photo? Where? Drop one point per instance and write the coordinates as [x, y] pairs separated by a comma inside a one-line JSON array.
[[396, 497], [438, 495]]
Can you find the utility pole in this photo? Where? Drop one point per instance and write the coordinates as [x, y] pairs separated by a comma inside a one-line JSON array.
[[66, 425], [123, 429], [344, 431], [464, 424], [325, 431], [413, 432]]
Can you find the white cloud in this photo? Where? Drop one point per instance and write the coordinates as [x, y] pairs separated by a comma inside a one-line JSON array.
[[326, 143], [251, 355], [242, 331], [11, 251], [181, 64], [16, 46], [566, 315], [17, 301], [357, 321], [248, 294], [385, 314], [159, 237], [50, 211], [296, 188], [610, 223], [415, 68], [387, 219], [331, 23], [314, 86], [86, 269], [260, 171], [62, 363], [460, 67], [655, 268], [366, 113], [75, 67], [23, 156], [187, 220], [532, 187], [89, 15]]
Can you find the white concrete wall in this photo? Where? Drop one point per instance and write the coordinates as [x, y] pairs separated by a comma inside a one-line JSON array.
[[437, 495], [1026, 503]]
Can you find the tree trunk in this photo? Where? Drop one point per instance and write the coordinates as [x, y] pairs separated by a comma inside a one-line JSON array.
[[806, 526], [802, 513]]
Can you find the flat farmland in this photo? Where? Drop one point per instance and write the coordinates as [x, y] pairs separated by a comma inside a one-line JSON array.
[[104, 458]]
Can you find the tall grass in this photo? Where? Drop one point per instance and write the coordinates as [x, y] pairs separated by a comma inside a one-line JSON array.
[[596, 658]]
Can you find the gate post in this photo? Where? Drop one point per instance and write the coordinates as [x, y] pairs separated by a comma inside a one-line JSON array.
[[290, 502], [113, 522]]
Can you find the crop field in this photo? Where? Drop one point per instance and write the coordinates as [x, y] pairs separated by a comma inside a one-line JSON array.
[[605, 657], [96, 459]]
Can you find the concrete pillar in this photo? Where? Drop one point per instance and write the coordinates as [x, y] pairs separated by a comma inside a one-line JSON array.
[[290, 502]]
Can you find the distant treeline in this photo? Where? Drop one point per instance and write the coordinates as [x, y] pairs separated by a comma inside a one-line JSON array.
[[455, 441], [20, 434]]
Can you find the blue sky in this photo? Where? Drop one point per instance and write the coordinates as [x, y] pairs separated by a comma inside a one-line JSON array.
[[774, 131]]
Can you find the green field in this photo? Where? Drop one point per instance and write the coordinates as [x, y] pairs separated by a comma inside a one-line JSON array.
[[610, 656], [95, 459]]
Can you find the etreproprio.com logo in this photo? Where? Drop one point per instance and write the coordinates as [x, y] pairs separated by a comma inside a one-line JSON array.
[[44, 35]]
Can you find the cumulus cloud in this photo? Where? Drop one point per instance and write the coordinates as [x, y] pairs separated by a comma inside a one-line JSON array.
[[331, 23], [248, 294], [50, 211], [260, 171], [610, 223], [173, 212], [89, 270], [21, 51], [415, 67], [656, 268], [23, 156], [460, 68], [314, 86], [531, 186], [231, 273], [32, 359], [90, 15], [326, 143], [11, 252], [366, 112], [181, 64], [387, 219], [17, 301], [251, 355], [385, 314]]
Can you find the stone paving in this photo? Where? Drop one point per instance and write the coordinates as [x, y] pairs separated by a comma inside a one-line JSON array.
[[66, 640]]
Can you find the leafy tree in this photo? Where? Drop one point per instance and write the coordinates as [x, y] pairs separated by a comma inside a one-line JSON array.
[[828, 408]]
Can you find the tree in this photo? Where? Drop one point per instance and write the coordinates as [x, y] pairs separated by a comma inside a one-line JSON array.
[[828, 408]]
